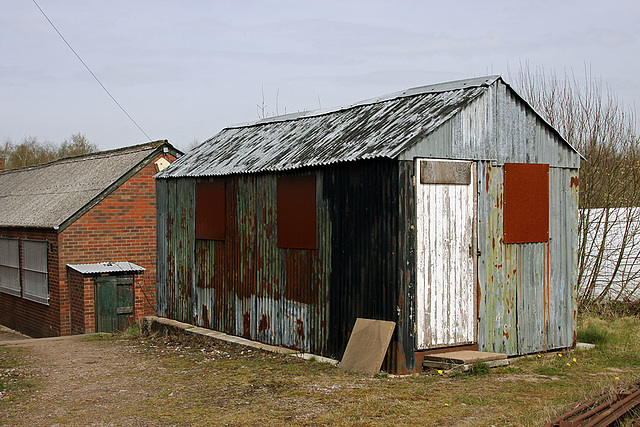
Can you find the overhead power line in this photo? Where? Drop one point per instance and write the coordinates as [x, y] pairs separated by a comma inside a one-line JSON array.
[[91, 72]]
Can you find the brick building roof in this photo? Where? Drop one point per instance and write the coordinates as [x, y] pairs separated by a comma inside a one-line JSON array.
[[53, 195]]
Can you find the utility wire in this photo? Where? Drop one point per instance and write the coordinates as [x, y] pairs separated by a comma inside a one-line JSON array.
[[89, 70]]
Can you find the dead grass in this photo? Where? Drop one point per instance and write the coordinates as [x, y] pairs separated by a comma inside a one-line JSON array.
[[187, 381], [15, 377]]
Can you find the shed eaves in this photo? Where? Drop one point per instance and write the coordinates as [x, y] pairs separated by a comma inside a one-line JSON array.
[[45, 196], [382, 127]]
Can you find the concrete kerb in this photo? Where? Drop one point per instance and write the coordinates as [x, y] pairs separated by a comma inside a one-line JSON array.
[[160, 324]]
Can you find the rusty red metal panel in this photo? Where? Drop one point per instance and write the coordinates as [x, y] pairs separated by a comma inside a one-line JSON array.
[[297, 212], [526, 203], [210, 210]]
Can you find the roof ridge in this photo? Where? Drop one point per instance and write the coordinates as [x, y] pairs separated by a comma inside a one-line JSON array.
[[98, 154]]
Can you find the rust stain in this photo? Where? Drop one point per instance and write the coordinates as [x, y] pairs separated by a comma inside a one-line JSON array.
[[487, 178], [264, 324], [205, 317], [299, 286], [574, 182], [246, 323], [300, 329]]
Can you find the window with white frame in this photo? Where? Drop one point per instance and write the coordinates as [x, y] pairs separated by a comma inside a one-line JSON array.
[[35, 278], [10, 267]]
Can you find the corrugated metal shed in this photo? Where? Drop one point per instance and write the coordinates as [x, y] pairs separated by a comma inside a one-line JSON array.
[[107, 267], [375, 254], [47, 195]]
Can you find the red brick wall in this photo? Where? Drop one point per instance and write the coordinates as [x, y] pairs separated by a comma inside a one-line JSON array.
[[32, 318], [81, 292], [122, 227]]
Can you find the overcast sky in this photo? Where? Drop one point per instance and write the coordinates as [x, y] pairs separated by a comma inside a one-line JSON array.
[[186, 69]]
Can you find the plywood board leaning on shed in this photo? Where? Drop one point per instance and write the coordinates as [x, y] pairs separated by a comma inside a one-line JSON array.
[[367, 345]]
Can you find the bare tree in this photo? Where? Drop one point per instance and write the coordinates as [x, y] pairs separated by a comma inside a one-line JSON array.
[[262, 108], [30, 151], [589, 115], [77, 145], [5, 151]]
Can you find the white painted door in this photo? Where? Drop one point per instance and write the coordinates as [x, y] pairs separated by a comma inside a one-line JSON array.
[[445, 294]]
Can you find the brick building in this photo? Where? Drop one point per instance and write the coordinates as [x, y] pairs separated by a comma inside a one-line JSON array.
[[78, 241]]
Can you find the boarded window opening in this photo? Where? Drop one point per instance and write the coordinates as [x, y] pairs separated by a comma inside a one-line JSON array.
[[297, 212], [211, 210], [526, 203]]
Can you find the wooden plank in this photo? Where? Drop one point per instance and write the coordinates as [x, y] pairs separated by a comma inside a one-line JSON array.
[[367, 346], [465, 356], [454, 173]]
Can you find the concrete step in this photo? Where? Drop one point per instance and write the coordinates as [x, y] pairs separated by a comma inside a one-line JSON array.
[[463, 359]]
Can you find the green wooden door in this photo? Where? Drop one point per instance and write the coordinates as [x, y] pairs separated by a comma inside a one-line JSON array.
[[113, 303]]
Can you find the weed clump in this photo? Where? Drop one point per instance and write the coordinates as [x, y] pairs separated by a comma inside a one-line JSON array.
[[593, 334], [479, 369]]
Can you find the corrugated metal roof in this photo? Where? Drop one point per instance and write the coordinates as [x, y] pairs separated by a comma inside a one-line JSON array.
[[107, 267], [46, 195], [381, 127]]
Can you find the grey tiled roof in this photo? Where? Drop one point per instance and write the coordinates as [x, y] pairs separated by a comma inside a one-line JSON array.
[[45, 196]]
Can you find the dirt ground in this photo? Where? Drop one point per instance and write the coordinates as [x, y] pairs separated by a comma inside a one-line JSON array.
[[7, 334], [175, 380], [142, 381], [80, 381]]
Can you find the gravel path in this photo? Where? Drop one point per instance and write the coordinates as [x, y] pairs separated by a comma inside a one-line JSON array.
[[80, 380]]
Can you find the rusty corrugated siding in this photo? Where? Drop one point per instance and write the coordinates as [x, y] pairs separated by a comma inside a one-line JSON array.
[[299, 298], [527, 291], [162, 210], [368, 238], [175, 254]]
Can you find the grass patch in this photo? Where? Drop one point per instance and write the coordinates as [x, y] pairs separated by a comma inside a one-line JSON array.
[[99, 336], [479, 369], [14, 378], [132, 332], [594, 331], [550, 371], [184, 379]]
